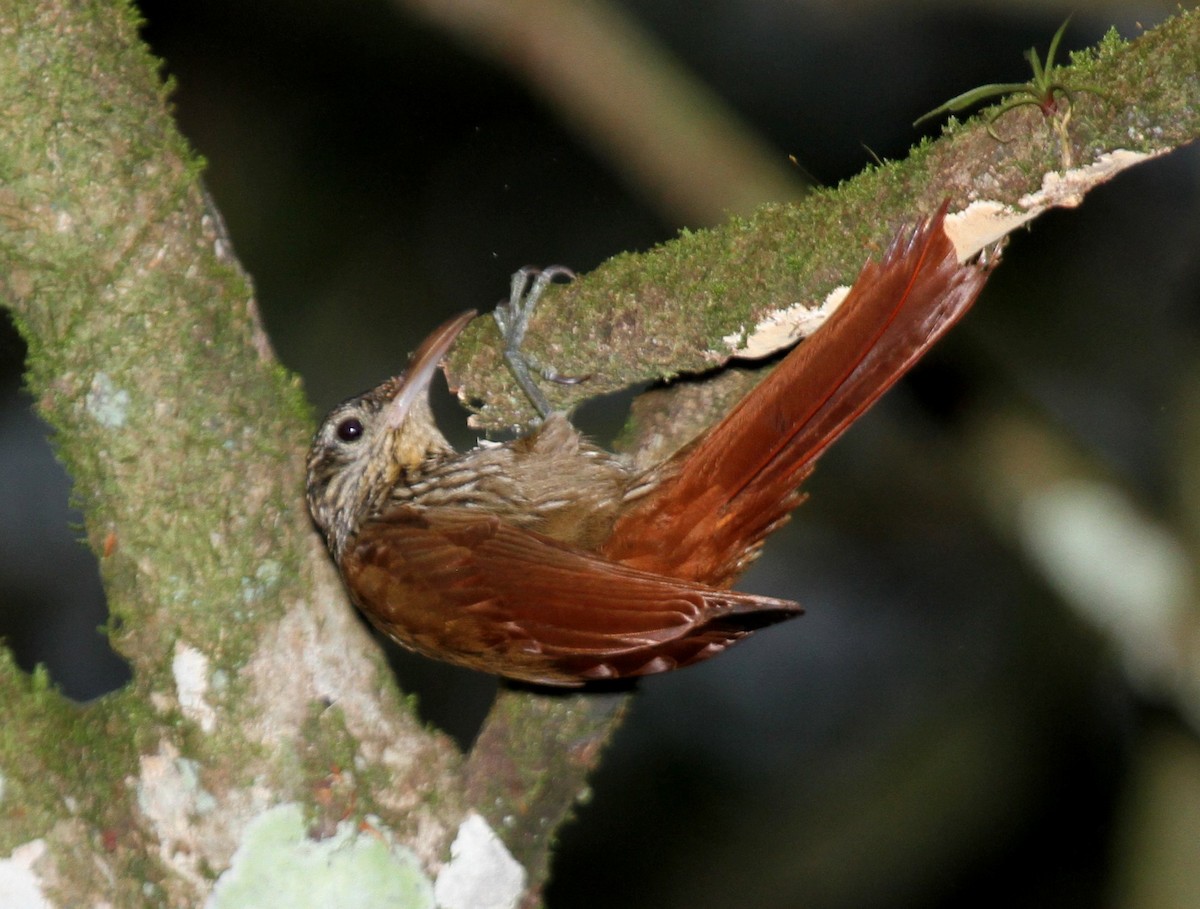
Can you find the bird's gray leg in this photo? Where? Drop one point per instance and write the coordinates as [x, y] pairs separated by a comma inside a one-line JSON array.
[[513, 319]]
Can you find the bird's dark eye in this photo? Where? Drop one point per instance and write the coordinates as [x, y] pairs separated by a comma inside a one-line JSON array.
[[350, 429]]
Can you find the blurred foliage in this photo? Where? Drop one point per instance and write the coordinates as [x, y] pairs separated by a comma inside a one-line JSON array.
[[941, 728]]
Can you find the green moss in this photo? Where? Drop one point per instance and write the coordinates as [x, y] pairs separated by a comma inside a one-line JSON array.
[[52, 751], [338, 785], [1110, 45]]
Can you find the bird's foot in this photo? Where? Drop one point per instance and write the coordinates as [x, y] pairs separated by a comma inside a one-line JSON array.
[[528, 285]]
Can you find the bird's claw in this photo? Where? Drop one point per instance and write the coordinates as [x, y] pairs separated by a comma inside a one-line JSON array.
[[512, 318]]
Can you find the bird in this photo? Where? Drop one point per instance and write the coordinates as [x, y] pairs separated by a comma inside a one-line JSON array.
[[551, 561]]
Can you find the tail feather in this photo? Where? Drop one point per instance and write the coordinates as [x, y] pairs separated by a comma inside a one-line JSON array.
[[719, 497]]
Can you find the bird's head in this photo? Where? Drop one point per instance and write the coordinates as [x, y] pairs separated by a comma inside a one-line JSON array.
[[370, 442]]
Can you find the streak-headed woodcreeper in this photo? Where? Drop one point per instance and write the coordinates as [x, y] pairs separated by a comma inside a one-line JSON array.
[[550, 560]]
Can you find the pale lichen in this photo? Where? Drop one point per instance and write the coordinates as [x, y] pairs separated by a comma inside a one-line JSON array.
[[481, 873], [190, 669], [277, 864], [108, 404], [20, 884]]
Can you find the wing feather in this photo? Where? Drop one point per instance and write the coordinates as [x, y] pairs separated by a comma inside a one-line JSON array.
[[426, 577]]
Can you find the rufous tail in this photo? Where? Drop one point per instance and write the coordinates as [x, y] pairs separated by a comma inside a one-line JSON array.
[[722, 494]]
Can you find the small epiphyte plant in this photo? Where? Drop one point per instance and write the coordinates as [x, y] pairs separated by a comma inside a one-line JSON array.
[[1044, 90]]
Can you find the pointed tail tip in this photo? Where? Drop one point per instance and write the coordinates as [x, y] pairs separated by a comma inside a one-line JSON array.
[[755, 611]]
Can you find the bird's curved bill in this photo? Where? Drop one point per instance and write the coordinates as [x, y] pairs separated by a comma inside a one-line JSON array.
[[421, 367]]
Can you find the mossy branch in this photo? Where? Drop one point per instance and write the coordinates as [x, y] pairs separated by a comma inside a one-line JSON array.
[[185, 440], [253, 684], [688, 305], [641, 317]]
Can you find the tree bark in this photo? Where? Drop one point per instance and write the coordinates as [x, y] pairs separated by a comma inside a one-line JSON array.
[[262, 729]]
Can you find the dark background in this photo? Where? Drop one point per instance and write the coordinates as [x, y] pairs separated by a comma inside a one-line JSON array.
[[941, 728]]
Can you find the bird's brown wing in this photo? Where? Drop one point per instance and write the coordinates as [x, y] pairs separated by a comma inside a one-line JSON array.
[[473, 589], [722, 495]]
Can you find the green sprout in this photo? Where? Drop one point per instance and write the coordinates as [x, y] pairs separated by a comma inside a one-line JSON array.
[[1051, 96]]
